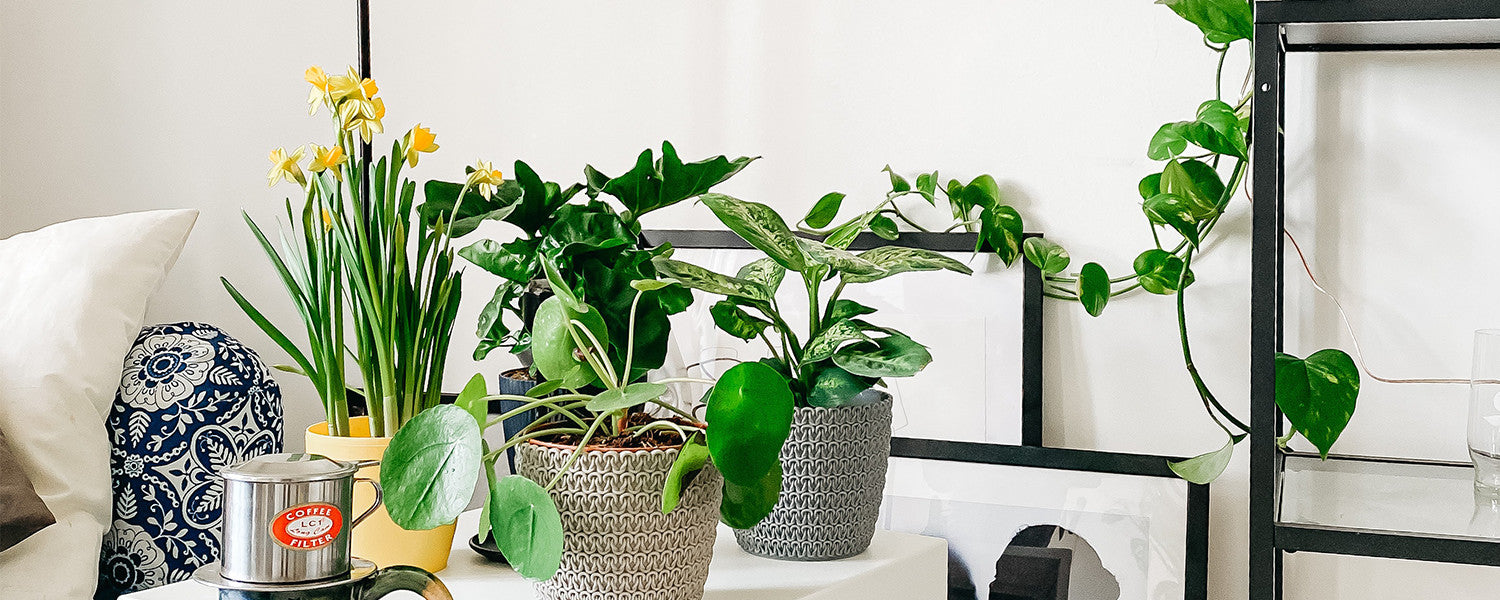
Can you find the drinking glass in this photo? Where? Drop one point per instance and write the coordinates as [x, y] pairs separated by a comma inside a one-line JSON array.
[[1484, 412]]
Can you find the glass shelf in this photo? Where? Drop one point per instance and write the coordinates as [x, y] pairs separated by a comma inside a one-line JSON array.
[[1418, 510]]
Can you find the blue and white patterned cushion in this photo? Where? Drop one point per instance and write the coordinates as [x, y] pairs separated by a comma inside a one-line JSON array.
[[192, 401]]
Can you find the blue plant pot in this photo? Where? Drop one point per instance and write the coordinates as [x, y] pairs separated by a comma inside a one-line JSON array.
[[512, 426]]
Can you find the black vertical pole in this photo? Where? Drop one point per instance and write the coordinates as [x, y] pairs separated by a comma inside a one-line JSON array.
[[1265, 310], [366, 152]]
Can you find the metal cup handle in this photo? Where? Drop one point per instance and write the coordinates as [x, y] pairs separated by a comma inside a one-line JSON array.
[[379, 493]]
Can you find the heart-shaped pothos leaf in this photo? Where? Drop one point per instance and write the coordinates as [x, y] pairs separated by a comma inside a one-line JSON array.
[[1317, 394]]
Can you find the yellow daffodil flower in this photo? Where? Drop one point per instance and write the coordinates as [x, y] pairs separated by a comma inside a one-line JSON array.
[[284, 166], [327, 220], [319, 80], [484, 179], [325, 159], [363, 117], [418, 140]]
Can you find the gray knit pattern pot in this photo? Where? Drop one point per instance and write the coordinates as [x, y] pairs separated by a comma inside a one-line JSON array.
[[833, 478], [617, 544]]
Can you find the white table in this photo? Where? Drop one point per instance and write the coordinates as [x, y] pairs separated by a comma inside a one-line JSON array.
[[898, 566]]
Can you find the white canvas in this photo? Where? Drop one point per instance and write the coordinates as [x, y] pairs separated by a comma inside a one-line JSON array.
[[1137, 524]]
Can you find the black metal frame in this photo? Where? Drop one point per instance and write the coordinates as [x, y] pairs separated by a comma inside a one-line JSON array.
[[1063, 459], [1031, 311], [1269, 537]]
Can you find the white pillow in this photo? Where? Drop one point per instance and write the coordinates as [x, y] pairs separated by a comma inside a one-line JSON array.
[[72, 299]]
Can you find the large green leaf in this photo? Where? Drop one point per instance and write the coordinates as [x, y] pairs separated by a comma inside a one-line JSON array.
[[764, 271], [1208, 188], [442, 196], [892, 356], [1093, 288], [734, 321], [1317, 394], [560, 288], [699, 278], [1001, 227], [625, 397], [471, 399], [526, 526], [607, 280], [1167, 143], [749, 418], [1173, 211], [1222, 21], [838, 259], [1206, 467], [898, 183], [514, 261], [833, 387], [884, 227], [1159, 271], [428, 469], [847, 309], [759, 225], [552, 345], [539, 199], [745, 505], [690, 460], [892, 260], [1181, 179], [493, 331], [650, 185], [824, 210], [983, 192], [828, 341], [580, 228], [1047, 255]]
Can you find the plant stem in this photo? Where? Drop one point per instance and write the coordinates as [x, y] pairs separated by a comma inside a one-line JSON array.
[[630, 350], [1187, 353], [681, 413], [518, 440]]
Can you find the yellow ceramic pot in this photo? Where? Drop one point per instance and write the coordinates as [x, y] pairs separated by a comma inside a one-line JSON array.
[[378, 539]]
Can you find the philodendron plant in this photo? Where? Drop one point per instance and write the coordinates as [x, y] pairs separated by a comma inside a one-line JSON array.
[[840, 354], [748, 420], [595, 245]]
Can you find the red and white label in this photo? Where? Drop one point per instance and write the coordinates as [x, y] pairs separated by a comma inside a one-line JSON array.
[[307, 527]]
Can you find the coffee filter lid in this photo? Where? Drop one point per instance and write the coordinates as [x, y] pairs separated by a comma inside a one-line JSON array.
[[289, 468]]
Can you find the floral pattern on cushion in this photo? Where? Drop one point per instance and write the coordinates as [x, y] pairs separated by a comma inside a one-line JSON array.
[[192, 401]]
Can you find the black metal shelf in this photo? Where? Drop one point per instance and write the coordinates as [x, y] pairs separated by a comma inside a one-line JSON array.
[[1356, 506], [1382, 25]]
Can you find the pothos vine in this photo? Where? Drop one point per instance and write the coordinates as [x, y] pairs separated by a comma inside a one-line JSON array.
[[1187, 198]]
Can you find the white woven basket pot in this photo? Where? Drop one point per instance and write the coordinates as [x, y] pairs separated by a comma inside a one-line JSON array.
[[617, 544], [833, 477]]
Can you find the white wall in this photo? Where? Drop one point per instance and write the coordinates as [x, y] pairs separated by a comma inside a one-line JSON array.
[[112, 107]]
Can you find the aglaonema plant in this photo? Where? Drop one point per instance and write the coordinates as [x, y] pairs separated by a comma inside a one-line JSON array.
[[748, 418], [840, 353]]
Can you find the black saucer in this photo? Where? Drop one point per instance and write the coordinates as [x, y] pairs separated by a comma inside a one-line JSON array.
[[487, 549]]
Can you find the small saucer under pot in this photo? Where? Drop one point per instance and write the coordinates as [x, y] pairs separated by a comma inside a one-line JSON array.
[[209, 575]]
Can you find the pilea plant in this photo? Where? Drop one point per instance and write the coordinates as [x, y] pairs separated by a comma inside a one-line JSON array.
[[1183, 203], [750, 411], [844, 354], [595, 245]]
